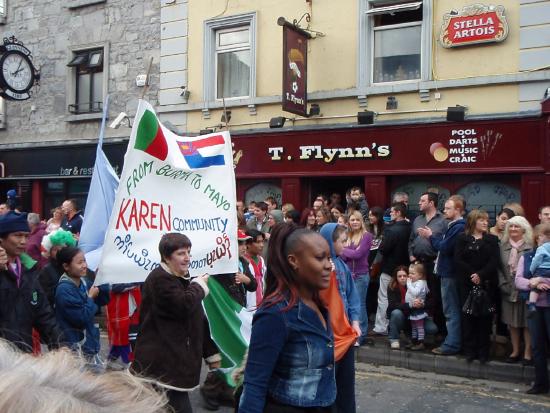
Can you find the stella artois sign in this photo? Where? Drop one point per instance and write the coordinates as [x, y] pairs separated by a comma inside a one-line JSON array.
[[475, 24]]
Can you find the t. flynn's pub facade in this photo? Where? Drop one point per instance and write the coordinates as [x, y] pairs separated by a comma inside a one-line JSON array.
[[489, 162]]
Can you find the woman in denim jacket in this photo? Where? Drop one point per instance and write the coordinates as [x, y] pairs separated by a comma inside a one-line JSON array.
[[290, 365]]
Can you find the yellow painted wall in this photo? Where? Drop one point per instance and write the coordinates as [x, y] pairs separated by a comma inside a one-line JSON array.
[[477, 60], [334, 53], [333, 61]]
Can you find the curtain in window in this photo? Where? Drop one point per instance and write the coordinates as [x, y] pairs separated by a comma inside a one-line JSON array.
[[397, 54], [233, 74]]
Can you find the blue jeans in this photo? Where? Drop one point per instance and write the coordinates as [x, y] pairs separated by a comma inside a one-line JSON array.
[[397, 323], [452, 311], [539, 327], [362, 287]]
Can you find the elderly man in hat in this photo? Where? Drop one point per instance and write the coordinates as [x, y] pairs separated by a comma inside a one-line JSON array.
[[23, 304]]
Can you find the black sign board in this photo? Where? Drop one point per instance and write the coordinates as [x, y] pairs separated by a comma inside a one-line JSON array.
[[58, 161]]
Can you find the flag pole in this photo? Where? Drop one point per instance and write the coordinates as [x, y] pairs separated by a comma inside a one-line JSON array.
[[146, 87]]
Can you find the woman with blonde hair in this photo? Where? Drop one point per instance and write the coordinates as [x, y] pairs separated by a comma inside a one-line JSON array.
[[58, 383], [356, 256], [517, 239]]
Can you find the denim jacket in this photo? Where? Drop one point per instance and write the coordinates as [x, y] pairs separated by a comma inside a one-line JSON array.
[[290, 359], [346, 285]]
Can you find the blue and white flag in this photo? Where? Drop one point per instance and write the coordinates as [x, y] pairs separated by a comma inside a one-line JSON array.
[[99, 203]]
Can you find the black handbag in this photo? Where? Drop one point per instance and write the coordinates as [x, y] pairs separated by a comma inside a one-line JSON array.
[[478, 303]]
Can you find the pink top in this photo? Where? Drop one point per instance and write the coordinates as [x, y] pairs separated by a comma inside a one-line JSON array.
[[522, 283]]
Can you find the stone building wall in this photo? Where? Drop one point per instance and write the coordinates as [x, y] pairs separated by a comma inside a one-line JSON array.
[[50, 28]]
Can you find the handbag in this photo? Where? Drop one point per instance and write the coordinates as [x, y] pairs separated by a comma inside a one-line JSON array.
[[478, 303]]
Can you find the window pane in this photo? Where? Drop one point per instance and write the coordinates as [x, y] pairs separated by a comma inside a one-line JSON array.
[[233, 75], [231, 38], [97, 92], [55, 186], [83, 92], [398, 17], [397, 54]]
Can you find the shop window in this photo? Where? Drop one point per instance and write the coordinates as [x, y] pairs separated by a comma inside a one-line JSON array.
[[229, 58], [417, 188], [261, 191], [395, 41], [489, 196], [55, 192]]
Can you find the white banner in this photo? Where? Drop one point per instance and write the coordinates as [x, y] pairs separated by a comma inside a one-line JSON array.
[[171, 183]]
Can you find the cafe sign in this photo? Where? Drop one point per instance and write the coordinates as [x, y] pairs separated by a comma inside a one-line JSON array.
[[474, 24]]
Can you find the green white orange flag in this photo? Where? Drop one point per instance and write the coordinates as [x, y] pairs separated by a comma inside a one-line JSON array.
[[230, 326]]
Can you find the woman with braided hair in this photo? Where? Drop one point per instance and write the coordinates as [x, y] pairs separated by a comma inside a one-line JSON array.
[[290, 365]]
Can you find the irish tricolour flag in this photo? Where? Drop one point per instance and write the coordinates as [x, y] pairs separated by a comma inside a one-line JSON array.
[[230, 326]]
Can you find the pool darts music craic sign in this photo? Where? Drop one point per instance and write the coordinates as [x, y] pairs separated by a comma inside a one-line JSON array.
[[474, 24], [17, 72]]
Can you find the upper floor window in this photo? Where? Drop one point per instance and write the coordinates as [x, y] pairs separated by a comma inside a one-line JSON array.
[[230, 57], [397, 41], [88, 81], [3, 10], [233, 62]]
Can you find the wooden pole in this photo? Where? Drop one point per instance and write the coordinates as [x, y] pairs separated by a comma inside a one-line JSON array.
[[146, 87]]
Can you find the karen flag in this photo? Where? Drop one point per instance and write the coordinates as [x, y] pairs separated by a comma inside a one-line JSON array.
[[171, 183]]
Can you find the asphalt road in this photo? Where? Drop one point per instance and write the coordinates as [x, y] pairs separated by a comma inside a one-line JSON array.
[[394, 390]]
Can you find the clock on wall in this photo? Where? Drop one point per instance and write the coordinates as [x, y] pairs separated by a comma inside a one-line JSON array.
[[17, 73]]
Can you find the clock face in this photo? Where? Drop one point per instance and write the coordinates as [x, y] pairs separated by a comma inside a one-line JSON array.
[[17, 72]]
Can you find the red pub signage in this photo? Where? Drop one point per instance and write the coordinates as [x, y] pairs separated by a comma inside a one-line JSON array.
[[475, 24], [294, 70]]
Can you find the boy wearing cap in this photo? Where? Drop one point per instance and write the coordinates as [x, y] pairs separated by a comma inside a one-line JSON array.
[[23, 304]]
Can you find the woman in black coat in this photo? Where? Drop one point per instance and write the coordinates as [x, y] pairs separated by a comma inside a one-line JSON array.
[[476, 261], [174, 335]]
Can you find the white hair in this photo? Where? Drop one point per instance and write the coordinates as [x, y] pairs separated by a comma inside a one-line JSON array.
[[57, 383], [523, 224], [33, 218]]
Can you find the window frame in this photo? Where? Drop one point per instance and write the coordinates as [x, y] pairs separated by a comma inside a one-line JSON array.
[[211, 29], [365, 70], [72, 79]]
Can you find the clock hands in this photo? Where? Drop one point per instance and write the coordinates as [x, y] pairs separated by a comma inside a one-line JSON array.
[[18, 68]]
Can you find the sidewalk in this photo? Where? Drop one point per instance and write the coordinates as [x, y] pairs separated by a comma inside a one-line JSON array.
[[381, 354]]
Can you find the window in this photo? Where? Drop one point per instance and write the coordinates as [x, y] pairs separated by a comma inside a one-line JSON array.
[[88, 69], [230, 57], [3, 11], [233, 62], [397, 40]]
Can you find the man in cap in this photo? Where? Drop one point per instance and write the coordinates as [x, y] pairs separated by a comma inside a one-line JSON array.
[[23, 304]]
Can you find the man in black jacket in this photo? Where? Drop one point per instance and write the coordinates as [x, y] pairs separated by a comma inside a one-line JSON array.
[[393, 252], [23, 304]]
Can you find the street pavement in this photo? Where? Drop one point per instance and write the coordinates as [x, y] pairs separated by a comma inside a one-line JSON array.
[[387, 389], [393, 390]]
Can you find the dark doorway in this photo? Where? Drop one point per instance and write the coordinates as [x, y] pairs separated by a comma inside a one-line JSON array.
[[329, 185]]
